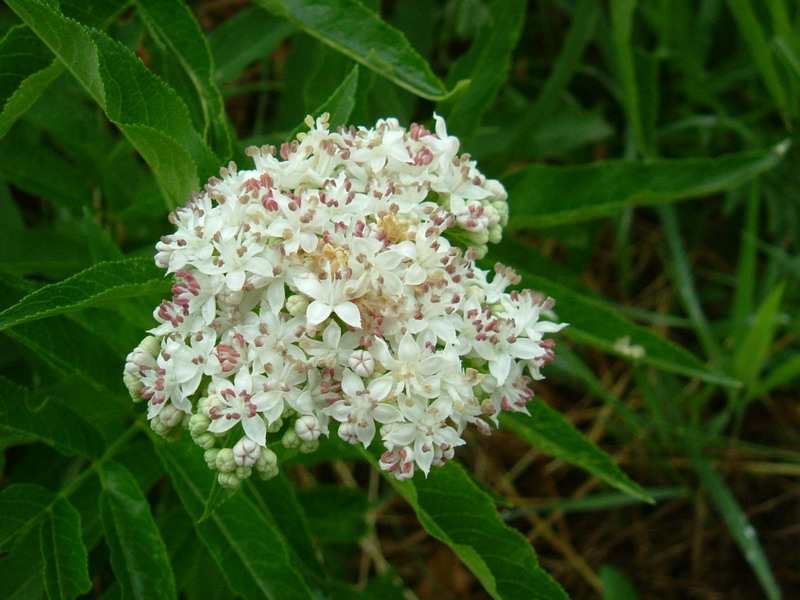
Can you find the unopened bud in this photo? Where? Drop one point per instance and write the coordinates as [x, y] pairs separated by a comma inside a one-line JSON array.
[[225, 461], [229, 480], [290, 439], [198, 424], [170, 416], [362, 363], [309, 447], [151, 345], [246, 452], [296, 305], [210, 456], [307, 428]]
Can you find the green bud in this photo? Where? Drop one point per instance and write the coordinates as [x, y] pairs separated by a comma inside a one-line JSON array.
[[229, 480], [275, 426], [205, 440], [290, 439], [309, 447], [225, 461], [134, 386], [211, 457], [198, 424], [243, 472]]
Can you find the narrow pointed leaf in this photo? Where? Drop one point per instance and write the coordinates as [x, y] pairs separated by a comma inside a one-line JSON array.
[[27, 68], [173, 26], [22, 506], [51, 423], [66, 574], [738, 523], [101, 282], [452, 508], [244, 38], [548, 430], [138, 554], [354, 30], [754, 345], [545, 195], [486, 65], [339, 105], [246, 545], [150, 113], [597, 323]]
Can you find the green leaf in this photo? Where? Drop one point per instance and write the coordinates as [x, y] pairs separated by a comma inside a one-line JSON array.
[[736, 519], [452, 508], [150, 114], [66, 575], [22, 506], [246, 545], [615, 585], [753, 346], [486, 65], [355, 31], [51, 423], [22, 571], [173, 27], [756, 39], [622, 25], [74, 351], [549, 430], [540, 114], [544, 195], [336, 514], [596, 323], [277, 498], [138, 554], [102, 282], [27, 68], [247, 36], [339, 105]]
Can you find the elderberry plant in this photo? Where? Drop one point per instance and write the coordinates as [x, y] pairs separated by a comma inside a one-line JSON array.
[[334, 288]]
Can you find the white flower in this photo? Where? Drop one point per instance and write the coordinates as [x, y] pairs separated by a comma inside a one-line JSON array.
[[362, 406], [329, 284]]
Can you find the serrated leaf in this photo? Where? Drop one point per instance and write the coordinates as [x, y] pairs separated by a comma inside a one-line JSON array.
[[549, 430], [247, 36], [102, 282], [22, 506], [598, 324], [248, 548], [545, 195], [277, 497], [486, 65], [336, 514], [75, 352], [354, 30], [51, 423], [27, 68], [173, 27], [66, 575], [452, 508], [148, 111], [22, 570], [339, 105], [138, 554]]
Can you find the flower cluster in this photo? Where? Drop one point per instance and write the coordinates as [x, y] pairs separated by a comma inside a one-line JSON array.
[[336, 286]]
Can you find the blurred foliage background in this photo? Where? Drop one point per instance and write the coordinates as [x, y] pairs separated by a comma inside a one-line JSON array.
[[654, 190]]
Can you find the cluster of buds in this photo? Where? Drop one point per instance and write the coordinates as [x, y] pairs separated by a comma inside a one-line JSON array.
[[334, 286]]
